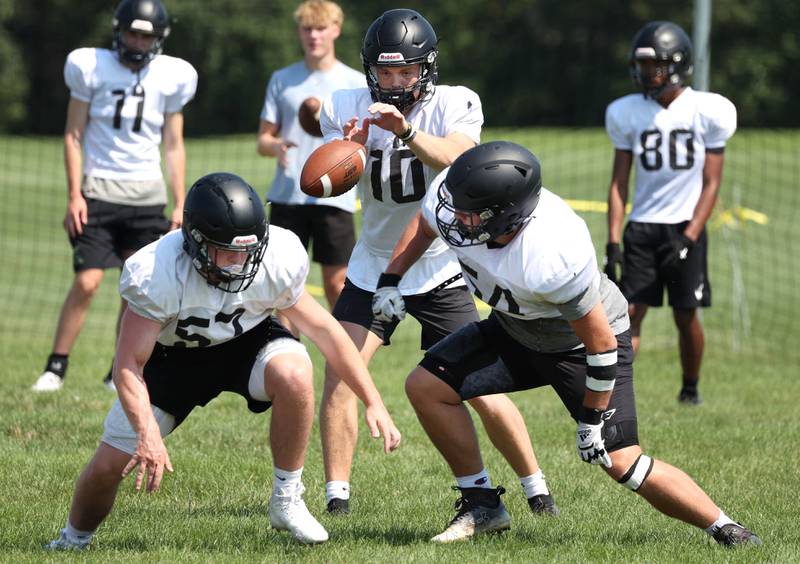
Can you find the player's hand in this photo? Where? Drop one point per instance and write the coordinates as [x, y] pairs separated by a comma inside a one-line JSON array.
[[381, 425], [387, 302], [590, 443], [281, 150], [150, 459], [613, 262], [387, 117], [352, 131], [672, 255], [76, 217]]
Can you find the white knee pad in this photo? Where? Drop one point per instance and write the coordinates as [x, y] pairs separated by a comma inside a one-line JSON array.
[[637, 473], [118, 433], [279, 346]]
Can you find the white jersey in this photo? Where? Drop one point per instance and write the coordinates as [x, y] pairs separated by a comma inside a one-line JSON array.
[[395, 181], [160, 283], [669, 148], [126, 110]]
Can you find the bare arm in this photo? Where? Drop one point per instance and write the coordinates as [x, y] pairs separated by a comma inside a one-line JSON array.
[[271, 144], [77, 118], [137, 337], [327, 334], [413, 243], [712, 178], [596, 335], [618, 194], [175, 157]]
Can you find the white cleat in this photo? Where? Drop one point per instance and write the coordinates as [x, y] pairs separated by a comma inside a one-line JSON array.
[[48, 382], [288, 512], [63, 543], [479, 511]]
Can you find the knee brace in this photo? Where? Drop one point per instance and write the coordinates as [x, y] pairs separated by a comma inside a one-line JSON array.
[[637, 473]]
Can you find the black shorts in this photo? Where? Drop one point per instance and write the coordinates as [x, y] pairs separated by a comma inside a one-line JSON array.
[[330, 230], [179, 379], [114, 231], [483, 359], [439, 313], [643, 283]]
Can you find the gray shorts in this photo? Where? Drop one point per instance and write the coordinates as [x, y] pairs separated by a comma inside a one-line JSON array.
[[439, 313]]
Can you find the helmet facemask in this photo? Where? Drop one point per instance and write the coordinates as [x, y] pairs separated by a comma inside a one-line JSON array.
[[646, 80], [460, 234], [230, 278], [401, 98], [140, 16]]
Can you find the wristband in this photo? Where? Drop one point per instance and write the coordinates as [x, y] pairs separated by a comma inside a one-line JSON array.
[[601, 371], [388, 279], [408, 135], [591, 415]]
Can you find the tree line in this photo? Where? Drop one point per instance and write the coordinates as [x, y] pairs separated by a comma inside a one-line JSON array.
[[534, 62]]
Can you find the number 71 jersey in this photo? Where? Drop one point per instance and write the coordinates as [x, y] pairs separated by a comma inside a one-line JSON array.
[[126, 110], [669, 148]]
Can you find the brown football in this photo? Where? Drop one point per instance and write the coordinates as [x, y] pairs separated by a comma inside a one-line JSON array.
[[308, 114], [333, 168]]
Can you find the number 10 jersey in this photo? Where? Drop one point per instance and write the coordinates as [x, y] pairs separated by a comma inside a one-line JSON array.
[[669, 148]]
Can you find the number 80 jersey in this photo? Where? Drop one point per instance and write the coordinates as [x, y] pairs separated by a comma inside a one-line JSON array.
[[395, 180], [126, 110], [669, 148]]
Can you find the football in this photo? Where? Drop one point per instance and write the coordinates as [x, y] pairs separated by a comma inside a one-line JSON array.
[[333, 168], [308, 114]]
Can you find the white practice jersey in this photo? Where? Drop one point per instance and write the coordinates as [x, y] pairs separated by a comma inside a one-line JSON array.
[[669, 148], [160, 283], [126, 110], [395, 181]]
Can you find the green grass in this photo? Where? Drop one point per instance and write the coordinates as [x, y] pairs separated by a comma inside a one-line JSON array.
[[738, 445]]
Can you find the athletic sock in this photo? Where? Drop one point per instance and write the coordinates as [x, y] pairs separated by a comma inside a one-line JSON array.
[[534, 484], [479, 480], [286, 481], [337, 489], [76, 536], [721, 521], [57, 364], [689, 386]]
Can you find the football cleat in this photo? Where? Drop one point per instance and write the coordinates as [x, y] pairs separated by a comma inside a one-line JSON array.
[[543, 505], [734, 534], [337, 506], [288, 512], [48, 382], [479, 510], [63, 543], [108, 382], [689, 397]]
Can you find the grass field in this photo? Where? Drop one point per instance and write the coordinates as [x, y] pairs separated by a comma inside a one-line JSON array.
[[738, 445]]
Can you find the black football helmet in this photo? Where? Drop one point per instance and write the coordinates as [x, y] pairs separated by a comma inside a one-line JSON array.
[[397, 38], [223, 210], [499, 181], [665, 43], [145, 16]]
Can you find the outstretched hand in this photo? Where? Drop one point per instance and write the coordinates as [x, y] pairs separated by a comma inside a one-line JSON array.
[[352, 131], [152, 459], [381, 425]]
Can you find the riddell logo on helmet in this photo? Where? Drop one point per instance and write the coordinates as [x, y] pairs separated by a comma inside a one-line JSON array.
[[390, 57], [244, 240]]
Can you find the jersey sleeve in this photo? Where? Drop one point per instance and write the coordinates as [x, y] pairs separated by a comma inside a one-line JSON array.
[[293, 271], [431, 200], [270, 110], [186, 78], [149, 286], [329, 122], [464, 113], [571, 282], [77, 73], [619, 134], [721, 116]]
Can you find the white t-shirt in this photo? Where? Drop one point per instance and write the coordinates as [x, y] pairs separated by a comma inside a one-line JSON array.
[[160, 283], [669, 148], [286, 91], [126, 110], [395, 181]]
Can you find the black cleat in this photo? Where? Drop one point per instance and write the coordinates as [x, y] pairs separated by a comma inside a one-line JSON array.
[[338, 506], [689, 397], [543, 505], [733, 534]]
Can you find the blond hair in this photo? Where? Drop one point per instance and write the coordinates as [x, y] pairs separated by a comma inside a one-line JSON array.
[[318, 13]]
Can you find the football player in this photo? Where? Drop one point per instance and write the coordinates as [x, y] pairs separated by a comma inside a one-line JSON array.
[[199, 322], [123, 102], [329, 222], [556, 321], [412, 128], [676, 137]]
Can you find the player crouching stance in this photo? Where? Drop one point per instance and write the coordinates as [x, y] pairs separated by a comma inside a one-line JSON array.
[[556, 320], [199, 322]]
